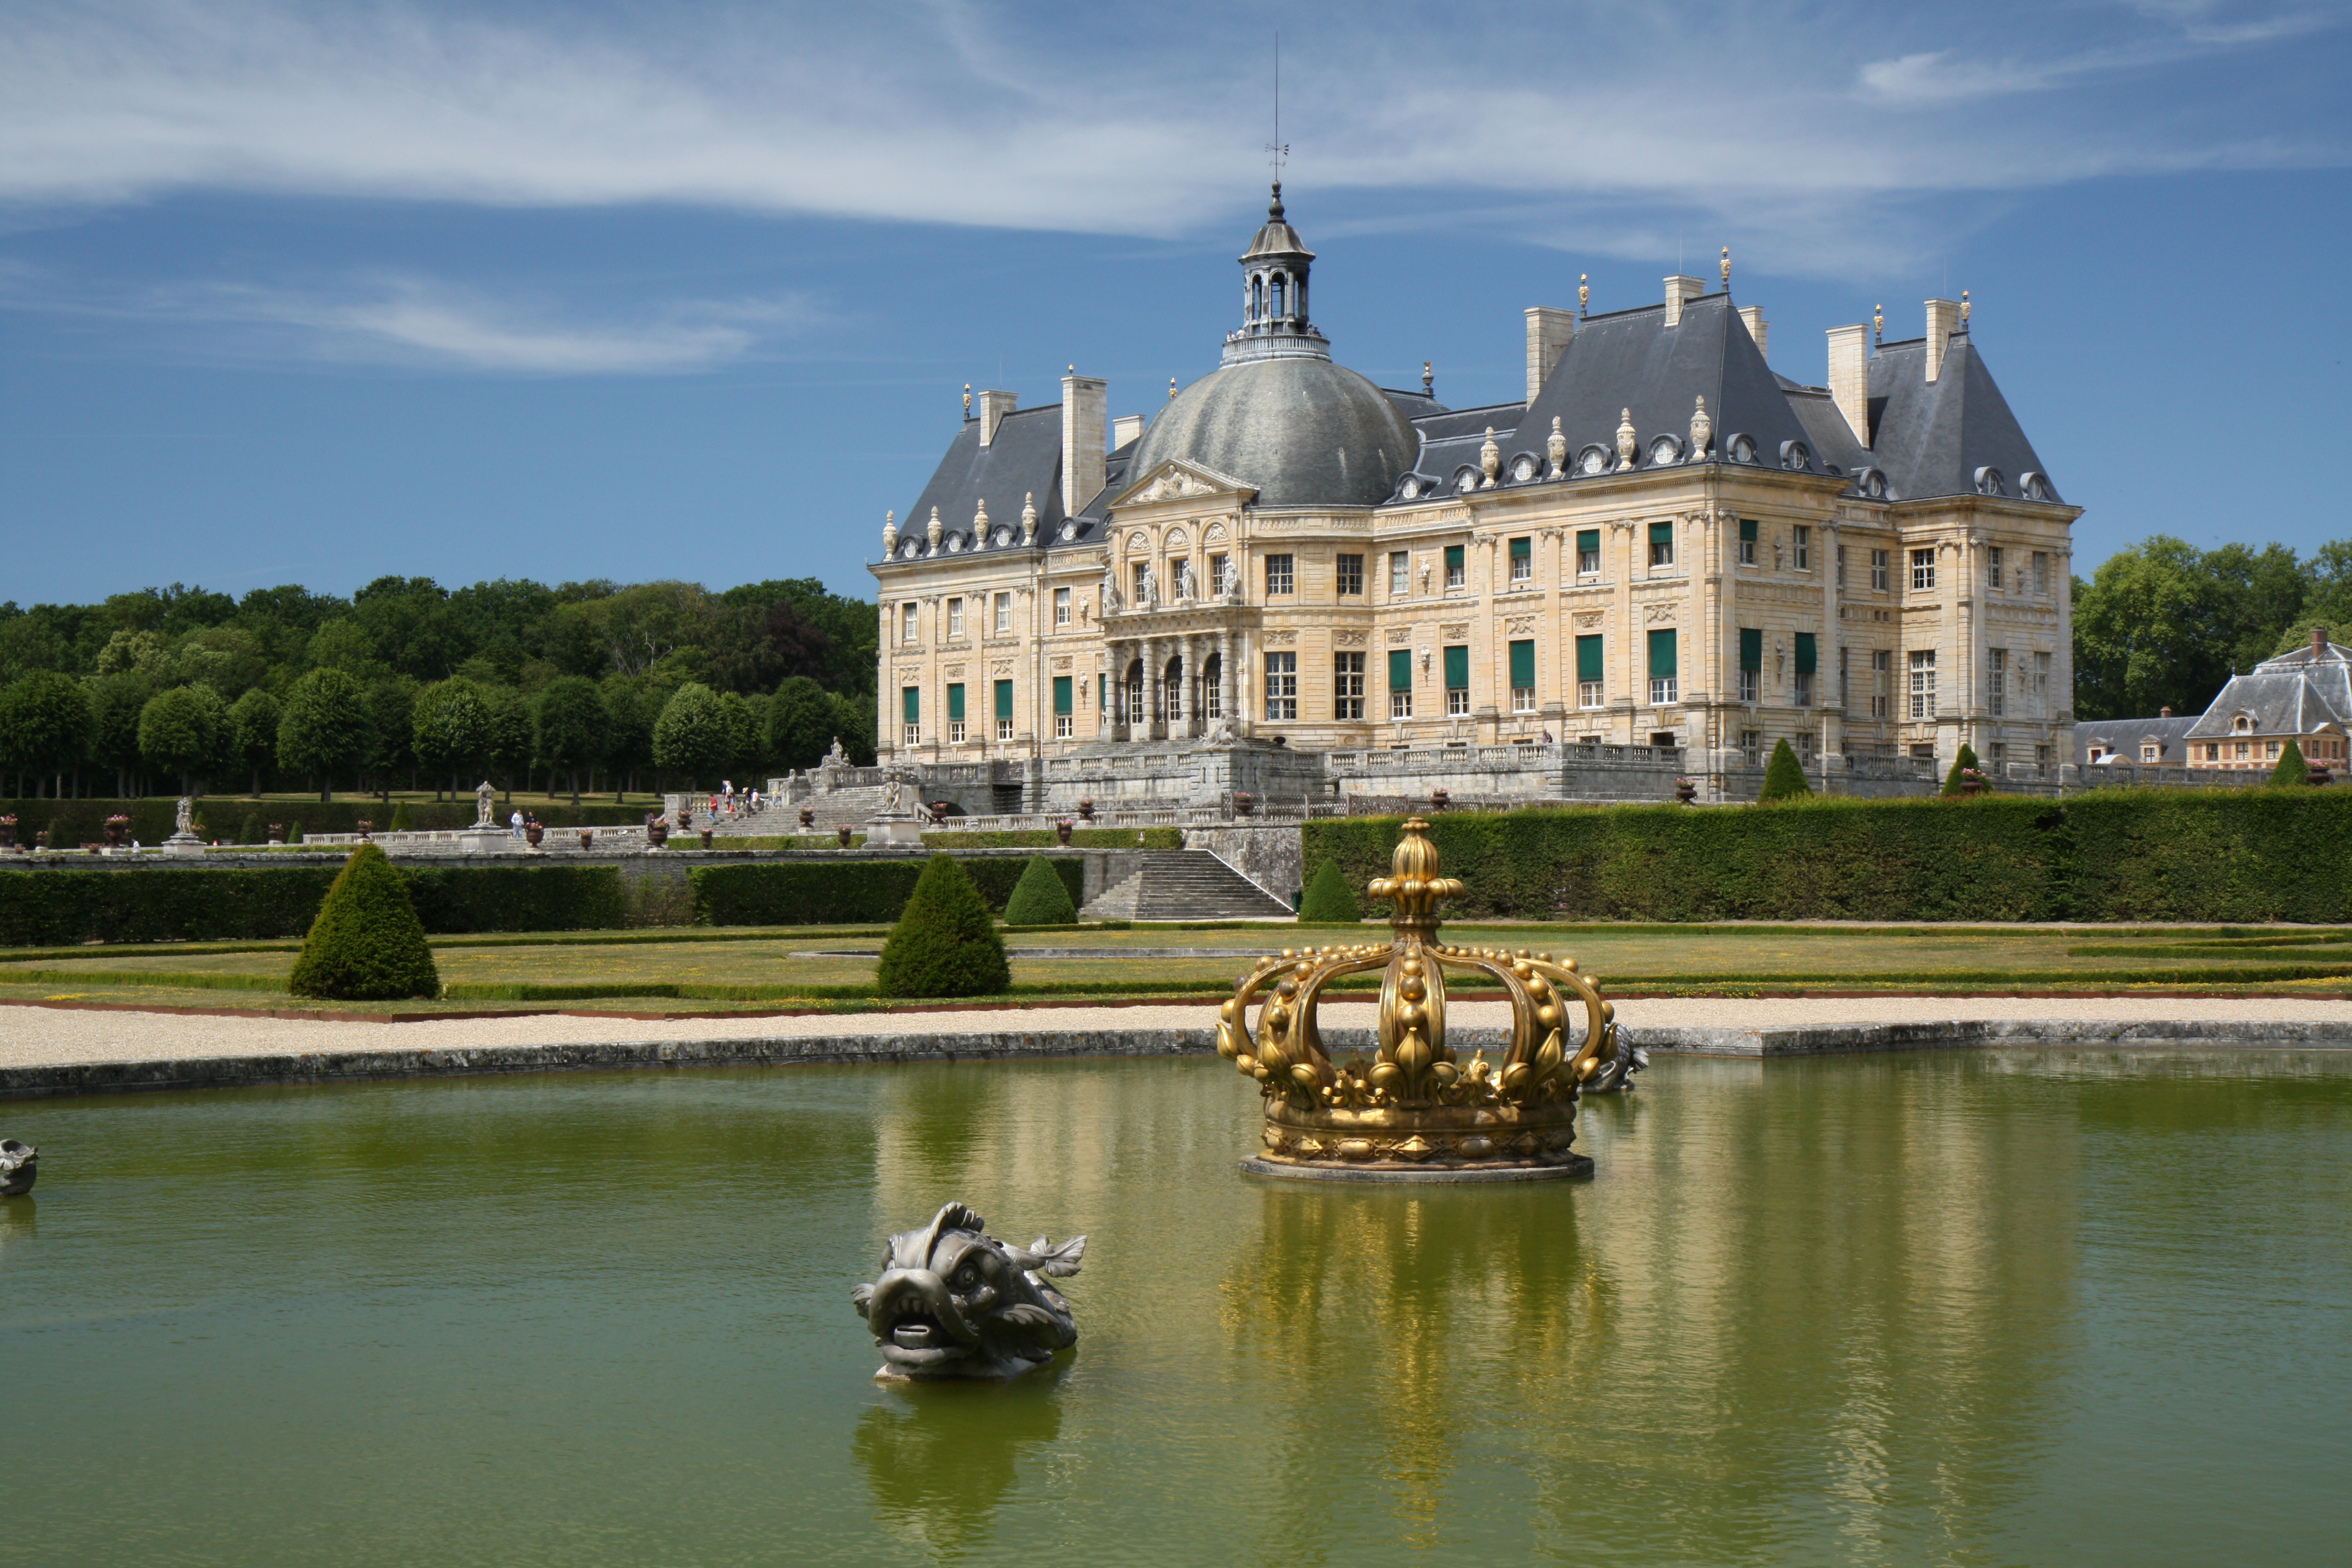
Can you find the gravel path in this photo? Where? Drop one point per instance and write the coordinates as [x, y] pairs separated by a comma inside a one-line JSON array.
[[41, 1036]]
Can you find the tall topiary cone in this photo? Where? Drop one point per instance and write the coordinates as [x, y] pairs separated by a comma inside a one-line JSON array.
[[1040, 898], [1784, 776], [1329, 900], [2292, 771], [367, 944], [944, 943], [1967, 759]]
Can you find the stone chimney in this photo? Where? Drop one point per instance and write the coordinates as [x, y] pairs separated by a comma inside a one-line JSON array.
[[1680, 288], [2320, 642], [1549, 332], [1125, 428], [1943, 320], [2164, 713], [993, 407], [1849, 377], [1086, 407], [1754, 316]]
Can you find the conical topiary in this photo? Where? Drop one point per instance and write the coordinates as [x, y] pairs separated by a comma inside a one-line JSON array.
[[1040, 898], [1784, 776], [367, 944], [944, 943], [1965, 761], [402, 822], [2292, 771], [1329, 900]]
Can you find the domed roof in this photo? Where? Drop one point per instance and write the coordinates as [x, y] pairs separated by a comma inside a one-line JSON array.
[[1303, 431]]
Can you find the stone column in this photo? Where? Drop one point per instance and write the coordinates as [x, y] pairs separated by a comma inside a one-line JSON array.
[[1152, 655], [1225, 676]]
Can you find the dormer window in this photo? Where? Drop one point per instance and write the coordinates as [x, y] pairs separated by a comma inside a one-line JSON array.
[[2242, 725]]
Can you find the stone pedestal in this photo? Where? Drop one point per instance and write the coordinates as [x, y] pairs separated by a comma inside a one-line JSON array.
[[893, 828], [183, 843]]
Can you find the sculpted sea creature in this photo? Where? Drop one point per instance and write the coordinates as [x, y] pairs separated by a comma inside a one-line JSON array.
[[954, 1301], [20, 1164]]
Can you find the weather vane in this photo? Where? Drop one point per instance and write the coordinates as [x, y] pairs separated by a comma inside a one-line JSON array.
[[1277, 148]]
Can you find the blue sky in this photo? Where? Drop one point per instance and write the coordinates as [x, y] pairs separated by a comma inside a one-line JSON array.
[[319, 294]]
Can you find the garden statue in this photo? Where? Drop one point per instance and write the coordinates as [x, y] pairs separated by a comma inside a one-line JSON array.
[[486, 799], [181, 816], [955, 1302], [1109, 591], [20, 1165], [1229, 583]]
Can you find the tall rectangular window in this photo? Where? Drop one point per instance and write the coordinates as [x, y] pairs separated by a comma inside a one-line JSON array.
[[1217, 574], [1347, 686], [1282, 686], [1457, 679], [1457, 573], [1802, 538], [1061, 606], [1923, 570], [1523, 559], [1808, 665], [1751, 662], [1878, 564], [955, 619], [1400, 683], [1747, 542], [1588, 552], [1140, 586], [1841, 565], [1590, 682], [2041, 686], [910, 707], [908, 631], [1992, 567], [1845, 681], [1004, 612], [955, 714], [1004, 709], [1522, 674], [1400, 573], [1351, 576], [1997, 681], [2041, 573], [1663, 683], [1882, 678], [1661, 544], [1923, 683], [1064, 709], [1278, 575], [1182, 572]]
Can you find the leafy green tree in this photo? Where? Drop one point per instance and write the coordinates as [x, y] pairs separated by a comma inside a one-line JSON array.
[[509, 732], [746, 744], [325, 728], [115, 701], [452, 730], [45, 726], [253, 721], [853, 725], [944, 943], [572, 727], [1040, 897], [630, 747], [1784, 776], [2293, 772], [801, 724], [1329, 900], [180, 733], [694, 737], [367, 944], [343, 643], [2162, 625], [1963, 762], [391, 711]]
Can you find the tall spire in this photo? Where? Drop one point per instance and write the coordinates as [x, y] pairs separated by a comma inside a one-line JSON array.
[[1275, 323]]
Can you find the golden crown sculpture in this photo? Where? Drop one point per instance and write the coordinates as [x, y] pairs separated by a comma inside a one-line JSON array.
[[1416, 1112]]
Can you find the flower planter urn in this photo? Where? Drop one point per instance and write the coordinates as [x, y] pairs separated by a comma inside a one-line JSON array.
[[532, 833], [808, 817], [1686, 791], [41, 839], [277, 833], [118, 828], [939, 810], [844, 831], [7, 833], [1086, 809], [1244, 802], [2317, 777], [1439, 799], [587, 839], [1062, 831], [364, 825], [706, 838], [657, 832]]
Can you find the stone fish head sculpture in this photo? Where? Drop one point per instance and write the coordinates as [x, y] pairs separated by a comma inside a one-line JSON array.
[[954, 1302], [20, 1166]]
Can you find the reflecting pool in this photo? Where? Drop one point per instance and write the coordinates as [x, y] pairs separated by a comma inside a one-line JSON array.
[[2037, 1307]]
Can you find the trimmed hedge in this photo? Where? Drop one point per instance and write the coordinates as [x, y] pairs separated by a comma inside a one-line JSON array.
[[1041, 898], [367, 944], [42, 907], [1329, 900], [846, 892], [1045, 838], [2121, 855], [944, 944], [234, 820]]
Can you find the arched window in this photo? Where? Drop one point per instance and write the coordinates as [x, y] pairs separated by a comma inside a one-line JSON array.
[[1278, 310], [1212, 671], [1134, 712]]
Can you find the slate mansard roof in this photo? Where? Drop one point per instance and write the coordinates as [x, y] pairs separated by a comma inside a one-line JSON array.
[[2122, 738], [2294, 694], [1023, 460]]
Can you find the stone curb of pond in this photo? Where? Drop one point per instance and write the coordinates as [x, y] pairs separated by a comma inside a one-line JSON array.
[[344, 1067]]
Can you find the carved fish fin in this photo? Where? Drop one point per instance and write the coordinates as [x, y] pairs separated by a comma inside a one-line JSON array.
[[861, 1297], [1062, 1261]]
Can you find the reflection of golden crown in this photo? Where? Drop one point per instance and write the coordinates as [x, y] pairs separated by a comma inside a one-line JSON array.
[[1416, 1107]]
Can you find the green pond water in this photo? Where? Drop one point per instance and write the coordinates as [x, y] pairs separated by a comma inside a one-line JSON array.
[[1963, 1308]]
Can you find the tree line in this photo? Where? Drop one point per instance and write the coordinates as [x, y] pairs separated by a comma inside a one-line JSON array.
[[409, 685]]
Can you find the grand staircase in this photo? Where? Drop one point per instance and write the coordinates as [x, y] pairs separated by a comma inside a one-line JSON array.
[[1184, 885]]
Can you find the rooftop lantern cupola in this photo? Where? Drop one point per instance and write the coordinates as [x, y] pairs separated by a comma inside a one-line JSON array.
[[1273, 296]]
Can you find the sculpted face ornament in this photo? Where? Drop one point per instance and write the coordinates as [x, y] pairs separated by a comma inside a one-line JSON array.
[[954, 1302], [1416, 1111]]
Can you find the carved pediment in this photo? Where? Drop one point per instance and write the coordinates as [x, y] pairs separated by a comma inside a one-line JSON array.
[[1178, 480]]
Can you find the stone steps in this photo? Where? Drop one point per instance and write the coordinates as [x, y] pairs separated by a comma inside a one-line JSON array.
[[1184, 885]]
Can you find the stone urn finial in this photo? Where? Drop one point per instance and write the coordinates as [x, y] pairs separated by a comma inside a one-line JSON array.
[[1556, 448], [890, 530], [980, 522], [1029, 518], [1702, 429], [933, 529], [1625, 437], [1490, 460]]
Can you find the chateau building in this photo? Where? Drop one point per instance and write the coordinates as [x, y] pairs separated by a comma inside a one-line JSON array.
[[1664, 544], [2303, 695]]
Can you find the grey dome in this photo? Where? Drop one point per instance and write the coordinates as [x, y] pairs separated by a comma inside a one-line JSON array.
[[1302, 431]]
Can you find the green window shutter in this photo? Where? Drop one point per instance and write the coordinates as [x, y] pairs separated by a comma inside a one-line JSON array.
[[1747, 531], [1751, 648], [1587, 541], [955, 704], [1061, 695], [1400, 669], [1523, 662], [1522, 548], [913, 696], [1587, 657], [1662, 651], [1662, 534], [1453, 558], [1457, 667], [1005, 700], [1805, 653]]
